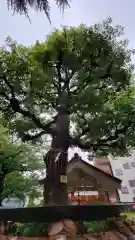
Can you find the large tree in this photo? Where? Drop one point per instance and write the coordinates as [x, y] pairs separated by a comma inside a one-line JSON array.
[[79, 77], [18, 168]]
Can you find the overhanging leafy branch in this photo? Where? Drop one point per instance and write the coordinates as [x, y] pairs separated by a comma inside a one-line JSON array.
[[102, 144], [15, 105]]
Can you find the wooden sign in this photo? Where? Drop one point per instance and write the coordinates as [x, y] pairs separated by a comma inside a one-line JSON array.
[[63, 178]]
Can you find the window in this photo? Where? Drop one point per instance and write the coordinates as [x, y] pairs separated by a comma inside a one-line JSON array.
[[124, 190], [132, 164], [132, 183], [134, 199], [118, 172], [126, 166]]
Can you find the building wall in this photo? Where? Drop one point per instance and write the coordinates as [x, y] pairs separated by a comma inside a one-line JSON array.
[[103, 163], [124, 168]]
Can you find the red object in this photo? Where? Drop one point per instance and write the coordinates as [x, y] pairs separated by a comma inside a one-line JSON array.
[[108, 172], [83, 198]]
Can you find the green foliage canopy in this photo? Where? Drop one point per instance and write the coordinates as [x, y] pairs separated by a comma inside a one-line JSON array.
[[89, 70], [20, 166]]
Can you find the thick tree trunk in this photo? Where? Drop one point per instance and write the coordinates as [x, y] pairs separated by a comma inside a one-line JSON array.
[[55, 188], [56, 163], [56, 179]]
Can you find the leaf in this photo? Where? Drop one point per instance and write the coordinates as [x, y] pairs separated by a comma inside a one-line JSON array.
[[21, 165], [87, 68]]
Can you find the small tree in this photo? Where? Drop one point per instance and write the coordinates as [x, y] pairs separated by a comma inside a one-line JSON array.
[[79, 77], [18, 163]]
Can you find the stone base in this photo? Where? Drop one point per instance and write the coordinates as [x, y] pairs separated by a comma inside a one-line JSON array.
[[120, 229]]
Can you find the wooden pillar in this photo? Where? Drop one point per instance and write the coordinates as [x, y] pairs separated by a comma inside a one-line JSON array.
[[102, 195], [107, 196]]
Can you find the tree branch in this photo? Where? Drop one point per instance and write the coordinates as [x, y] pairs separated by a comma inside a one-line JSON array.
[[108, 72], [4, 110], [15, 105], [88, 145], [9, 85], [57, 85], [59, 65], [20, 169], [118, 132], [28, 137], [103, 143], [4, 95], [66, 83]]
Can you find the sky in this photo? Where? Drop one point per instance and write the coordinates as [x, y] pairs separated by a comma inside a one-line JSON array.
[[87, 12], [81, 11]]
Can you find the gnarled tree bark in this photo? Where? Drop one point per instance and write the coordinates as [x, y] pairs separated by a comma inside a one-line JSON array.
[[56, 161]]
